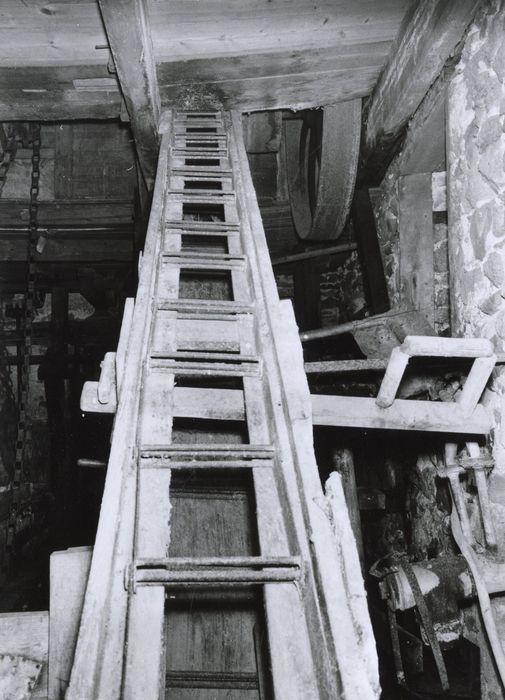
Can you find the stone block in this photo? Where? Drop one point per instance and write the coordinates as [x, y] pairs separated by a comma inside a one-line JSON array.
[[493, 269]]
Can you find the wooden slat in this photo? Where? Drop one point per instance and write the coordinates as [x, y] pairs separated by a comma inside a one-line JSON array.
[[429, 33], [187, 29], [365, 230], [127, 26], [358, 412], [416, 244], [100, 644], [212, 404], [14, 212], [68, 577]]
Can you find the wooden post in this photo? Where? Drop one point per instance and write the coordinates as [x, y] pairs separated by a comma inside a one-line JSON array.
[[307, 301], [365, 230], [343, 463], [416, 244]]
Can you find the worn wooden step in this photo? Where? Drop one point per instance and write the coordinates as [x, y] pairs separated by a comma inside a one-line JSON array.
[[209, 456]]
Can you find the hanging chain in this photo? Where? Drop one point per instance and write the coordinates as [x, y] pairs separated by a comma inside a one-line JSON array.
[[8, 147], [23, 440]]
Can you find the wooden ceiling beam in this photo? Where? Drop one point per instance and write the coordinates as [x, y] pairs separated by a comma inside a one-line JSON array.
[[428, 37], [127, 28]]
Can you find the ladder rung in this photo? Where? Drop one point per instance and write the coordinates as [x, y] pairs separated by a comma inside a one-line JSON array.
[[218, 680], [209, 173], [205, 306], [205, 369], [203, 226], [204, 196], [211, 449], [209, 464], [215, 571], [186, 140], [204, 262], [193, 457], [199, 152], [238, 562], [197, 256], [229, 357]]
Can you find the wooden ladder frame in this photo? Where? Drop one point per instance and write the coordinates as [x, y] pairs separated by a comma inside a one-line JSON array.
[[321, 644]]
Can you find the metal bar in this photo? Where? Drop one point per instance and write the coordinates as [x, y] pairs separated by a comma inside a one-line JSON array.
[[178, 563], [221, 577], [211, 680], [309, 254]]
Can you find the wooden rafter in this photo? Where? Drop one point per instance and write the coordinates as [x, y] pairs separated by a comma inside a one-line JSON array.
[[127, 28], [430, 32]]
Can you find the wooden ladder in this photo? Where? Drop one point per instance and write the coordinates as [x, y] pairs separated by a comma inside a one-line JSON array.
[[208, 340]]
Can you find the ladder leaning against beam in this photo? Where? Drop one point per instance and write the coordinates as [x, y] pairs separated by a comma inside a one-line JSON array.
[[319, 636]]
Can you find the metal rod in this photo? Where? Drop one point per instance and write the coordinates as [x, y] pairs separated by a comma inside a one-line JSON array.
[[308, 254], [221, 577], [341, 328], [176, 563]]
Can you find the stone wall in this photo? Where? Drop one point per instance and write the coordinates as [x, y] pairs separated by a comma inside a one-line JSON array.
[[476, 196], [476, 209]]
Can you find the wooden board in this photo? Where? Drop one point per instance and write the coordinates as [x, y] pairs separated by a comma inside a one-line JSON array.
[[432, 416], [68, 579], [416, 244], [257, 55]]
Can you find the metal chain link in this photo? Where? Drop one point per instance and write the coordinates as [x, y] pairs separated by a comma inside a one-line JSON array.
[[8, 148], [23, 441]]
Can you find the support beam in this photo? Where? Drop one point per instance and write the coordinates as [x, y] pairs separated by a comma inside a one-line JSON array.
[[430, 32], [129, 37]]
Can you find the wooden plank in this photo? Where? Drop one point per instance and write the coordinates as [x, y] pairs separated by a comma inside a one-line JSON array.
[[215, 404], [63, 162], [59, 248], [146, 620], [35, 33], [101, 639], [72, 213], [334, 644], [416, 244], [68, 577], [431, 416], [430, 31], [42, 104], [365, 230], [294, 91], [187, 29], [127, 27], [343, 463]]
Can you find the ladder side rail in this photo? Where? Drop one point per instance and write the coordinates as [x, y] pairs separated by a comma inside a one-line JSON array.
[[267, 298], [98, 660], [292, 659], [291, 413]]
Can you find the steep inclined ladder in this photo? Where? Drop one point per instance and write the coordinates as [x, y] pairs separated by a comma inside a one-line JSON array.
[[208, 340]]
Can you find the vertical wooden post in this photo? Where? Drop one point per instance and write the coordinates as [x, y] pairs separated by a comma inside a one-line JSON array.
[[343, 463], [416, 244], [365, 231], [307, 300]]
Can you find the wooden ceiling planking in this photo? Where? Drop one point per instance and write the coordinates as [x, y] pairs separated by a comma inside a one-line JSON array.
[[57, 92], [56, 32], [186, 29], [53, 62], [270, 55], [233, 54], [302, 91]]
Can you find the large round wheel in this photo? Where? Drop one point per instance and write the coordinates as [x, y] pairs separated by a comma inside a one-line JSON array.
[[322, 150]]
